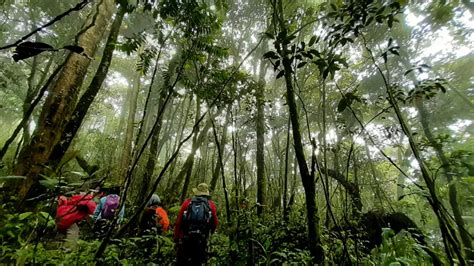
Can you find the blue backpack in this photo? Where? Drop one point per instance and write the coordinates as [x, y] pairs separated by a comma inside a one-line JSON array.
[[197, 217]]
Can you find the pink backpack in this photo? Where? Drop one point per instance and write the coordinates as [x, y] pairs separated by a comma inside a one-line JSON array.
[[110, 207]]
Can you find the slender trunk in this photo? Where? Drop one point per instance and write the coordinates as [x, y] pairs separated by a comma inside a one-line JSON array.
[[285, 187], [169, 127], [450, 175], [308, 181], [89, 95], [314, 237], [221, 164], [237, 180], [260, 126], [152, 155], [178, 138], [451, 243], [375, 185], [60, 102], [217, 169], [403, 165], [127, 143], [187, 170]]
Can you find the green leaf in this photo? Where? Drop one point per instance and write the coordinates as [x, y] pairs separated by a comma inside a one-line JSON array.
[[342, 105], [469, 179], [49, 183], [269, 35], [25, 215], [384, 55], [270, 54], [312, 40], [325, 73], [394, 51], [277, 64], [315, 52], [408, 71], [390, 21], [395, 5], [369, 20], [12, 177], [79, 173], [302, 64], [280, 74], [45, 215]]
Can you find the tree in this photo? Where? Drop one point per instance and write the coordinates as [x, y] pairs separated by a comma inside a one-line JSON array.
[[281, 46], [57, 108], [89, 95]]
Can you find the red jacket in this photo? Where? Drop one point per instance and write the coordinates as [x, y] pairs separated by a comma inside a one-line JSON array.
[[178, 230], [68, 212]]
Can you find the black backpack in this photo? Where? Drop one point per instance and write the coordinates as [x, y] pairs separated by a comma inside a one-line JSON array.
[[197, 217]]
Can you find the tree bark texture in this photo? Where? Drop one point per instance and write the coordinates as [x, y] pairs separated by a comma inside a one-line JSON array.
[[89, 95], [314, 237], [260, 126], [59, 104]]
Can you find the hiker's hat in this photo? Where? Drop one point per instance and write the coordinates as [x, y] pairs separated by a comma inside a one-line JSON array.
[[201, 190]]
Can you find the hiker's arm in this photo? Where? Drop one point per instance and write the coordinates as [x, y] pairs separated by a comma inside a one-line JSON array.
[[98, 210], [179, 219], [121, 214], [214, 216]]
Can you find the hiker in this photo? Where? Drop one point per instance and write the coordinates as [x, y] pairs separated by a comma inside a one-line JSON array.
[[154, 216], [197, 218], [106, 210], [70, 213]]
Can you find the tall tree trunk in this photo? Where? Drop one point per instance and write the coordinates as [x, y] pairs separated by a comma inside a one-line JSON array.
[[189, 163], [178, 138], [375, 185], [260, 125], [59, 104], [217, 168], [450, 239], [314, 236], [403, 163], [450, 175], [89, 95], [285, 181], [221, 163], [153, 151], [127, 143]]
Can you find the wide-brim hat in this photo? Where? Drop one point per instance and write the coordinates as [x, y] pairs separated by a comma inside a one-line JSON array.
[[201, 190]]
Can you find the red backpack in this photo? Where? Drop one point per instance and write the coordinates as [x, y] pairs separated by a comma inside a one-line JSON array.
[[73, 210]]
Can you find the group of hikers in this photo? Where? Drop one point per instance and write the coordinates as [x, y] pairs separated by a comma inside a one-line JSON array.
[[196, 219]]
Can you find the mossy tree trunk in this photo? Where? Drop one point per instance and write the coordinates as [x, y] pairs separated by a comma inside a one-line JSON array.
[[59, 104]]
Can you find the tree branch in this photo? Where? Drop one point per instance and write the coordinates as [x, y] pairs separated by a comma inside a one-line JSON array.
[[77, 7]]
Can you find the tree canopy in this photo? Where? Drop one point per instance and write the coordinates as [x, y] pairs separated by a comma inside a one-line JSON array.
[[335, 132]]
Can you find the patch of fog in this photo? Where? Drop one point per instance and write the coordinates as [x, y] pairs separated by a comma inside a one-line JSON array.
[[116, 78], [441, 41]]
